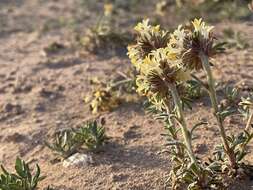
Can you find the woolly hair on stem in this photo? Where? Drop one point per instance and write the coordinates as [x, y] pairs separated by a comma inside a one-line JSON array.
[[213, 96]]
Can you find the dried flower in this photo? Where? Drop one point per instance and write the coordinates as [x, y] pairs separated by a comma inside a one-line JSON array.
[[102, 101]]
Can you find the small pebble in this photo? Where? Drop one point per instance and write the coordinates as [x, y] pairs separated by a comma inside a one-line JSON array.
[[78, 160]]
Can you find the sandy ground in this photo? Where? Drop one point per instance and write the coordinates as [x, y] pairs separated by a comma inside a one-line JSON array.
[[40, 94]]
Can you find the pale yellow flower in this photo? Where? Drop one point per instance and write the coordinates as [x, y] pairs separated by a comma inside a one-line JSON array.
[[176, 43], [134, 56], [148, 65], [142, 84], [108, 9], [144, 26], [202, 28]]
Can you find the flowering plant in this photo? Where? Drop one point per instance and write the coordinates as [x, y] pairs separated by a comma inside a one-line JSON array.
[[165, 62]]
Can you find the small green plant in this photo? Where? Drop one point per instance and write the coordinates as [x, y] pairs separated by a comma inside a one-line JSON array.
[[231, 95], [22, 179], [156, 57], [91, 135], [193, 90], [238, 143], [67, 142], [64, 143]]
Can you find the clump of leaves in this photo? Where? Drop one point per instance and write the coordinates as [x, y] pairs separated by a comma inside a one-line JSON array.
[[235, 39], [237, 142], [22, 179], [64, 143], [231, 94], [193, 89], [92, 135], [67, 142]]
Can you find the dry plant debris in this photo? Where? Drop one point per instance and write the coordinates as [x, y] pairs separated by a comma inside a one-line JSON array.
[[107, 96]]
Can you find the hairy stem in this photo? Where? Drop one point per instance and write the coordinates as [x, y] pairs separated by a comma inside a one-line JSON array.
[[214, 101], [180, 115], [178, 148]]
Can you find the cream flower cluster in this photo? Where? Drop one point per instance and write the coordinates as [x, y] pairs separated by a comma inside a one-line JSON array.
[[159, 56]]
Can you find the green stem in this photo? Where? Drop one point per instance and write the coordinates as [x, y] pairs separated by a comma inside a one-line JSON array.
[[213, 97], [185, 131], [175, 137]]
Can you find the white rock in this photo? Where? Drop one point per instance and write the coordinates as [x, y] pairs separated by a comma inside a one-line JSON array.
[[78, 160]]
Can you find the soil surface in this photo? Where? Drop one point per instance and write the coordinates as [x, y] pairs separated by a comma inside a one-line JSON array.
[[41, 93]]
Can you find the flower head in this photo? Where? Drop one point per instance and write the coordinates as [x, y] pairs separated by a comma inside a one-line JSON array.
[[188, 43], [157, 70], [149, 38], [176, 42], [199, 40], [157, 56]]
